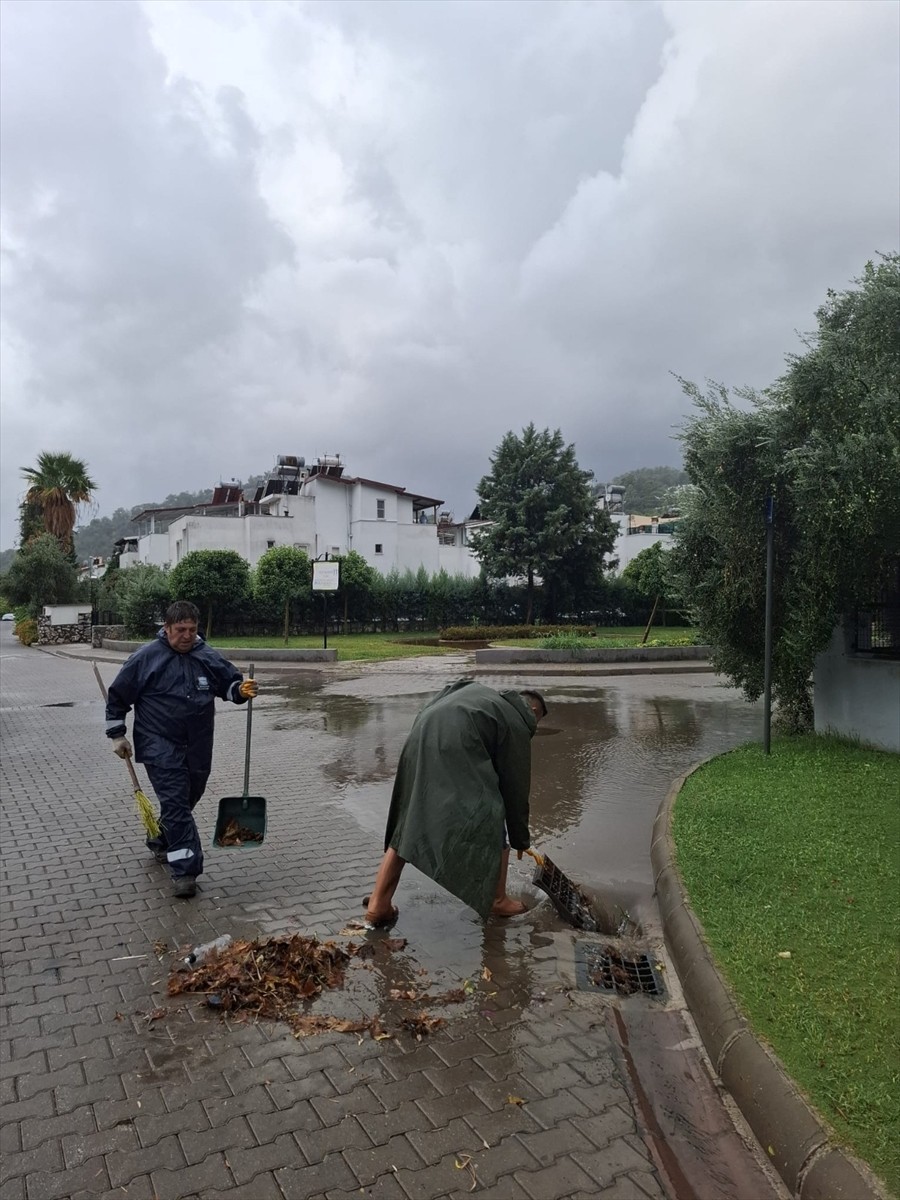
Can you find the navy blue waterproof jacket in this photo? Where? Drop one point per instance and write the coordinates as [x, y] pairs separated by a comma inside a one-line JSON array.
[[174, 700]]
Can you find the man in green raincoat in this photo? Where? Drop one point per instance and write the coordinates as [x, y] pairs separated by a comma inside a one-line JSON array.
[[461, 789]]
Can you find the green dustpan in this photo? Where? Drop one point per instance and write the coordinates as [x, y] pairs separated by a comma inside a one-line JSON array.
[[241, 820]]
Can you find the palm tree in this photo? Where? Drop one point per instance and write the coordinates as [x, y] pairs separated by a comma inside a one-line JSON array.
[[57, 485]]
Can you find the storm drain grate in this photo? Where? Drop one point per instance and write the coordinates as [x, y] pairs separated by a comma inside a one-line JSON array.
[[604, 969], [565, 896]]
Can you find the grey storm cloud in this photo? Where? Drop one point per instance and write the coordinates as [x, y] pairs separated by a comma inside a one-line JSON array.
[[394, 230]]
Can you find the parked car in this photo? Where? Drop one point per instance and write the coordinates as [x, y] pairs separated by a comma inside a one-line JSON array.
[[8, 617]]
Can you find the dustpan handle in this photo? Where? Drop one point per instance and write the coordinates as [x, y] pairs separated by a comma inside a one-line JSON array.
[[249, 727]]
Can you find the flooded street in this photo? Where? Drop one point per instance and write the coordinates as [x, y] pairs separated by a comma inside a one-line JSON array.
[[602, 762], [548, 1084]]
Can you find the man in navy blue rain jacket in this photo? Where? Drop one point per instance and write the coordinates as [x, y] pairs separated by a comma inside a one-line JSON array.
[[172, 684]]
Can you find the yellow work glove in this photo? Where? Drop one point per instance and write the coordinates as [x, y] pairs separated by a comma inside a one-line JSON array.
[[122, 747], [248, 689]]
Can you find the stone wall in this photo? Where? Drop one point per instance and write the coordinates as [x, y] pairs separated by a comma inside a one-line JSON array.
[[57, 635], [99, 632]]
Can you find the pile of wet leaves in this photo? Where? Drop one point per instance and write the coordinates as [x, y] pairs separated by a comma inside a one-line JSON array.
[[235, 834], [272, 979]]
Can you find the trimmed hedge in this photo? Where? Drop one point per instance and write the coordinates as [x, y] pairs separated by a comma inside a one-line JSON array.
[[489, 633]]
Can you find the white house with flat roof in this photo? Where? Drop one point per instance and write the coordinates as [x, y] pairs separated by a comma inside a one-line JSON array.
[[319, 509]]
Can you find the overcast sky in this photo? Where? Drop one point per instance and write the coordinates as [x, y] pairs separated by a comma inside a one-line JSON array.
[[395, 231]]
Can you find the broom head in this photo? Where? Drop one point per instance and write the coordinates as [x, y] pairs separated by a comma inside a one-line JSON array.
[[146, 813]]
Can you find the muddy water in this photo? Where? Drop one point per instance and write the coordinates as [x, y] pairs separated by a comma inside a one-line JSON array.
[[602, 762]]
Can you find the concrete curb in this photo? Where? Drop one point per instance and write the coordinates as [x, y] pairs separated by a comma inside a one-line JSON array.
[[801, 1148]]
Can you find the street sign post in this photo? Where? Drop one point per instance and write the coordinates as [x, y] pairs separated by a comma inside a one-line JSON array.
[[767, 663], [326, 578]]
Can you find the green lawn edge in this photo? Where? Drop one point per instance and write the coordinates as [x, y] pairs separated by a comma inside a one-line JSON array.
[[799, 854], [351, 647]]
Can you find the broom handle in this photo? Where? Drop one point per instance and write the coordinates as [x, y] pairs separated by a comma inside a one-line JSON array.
[[249, 726], [128, 762]]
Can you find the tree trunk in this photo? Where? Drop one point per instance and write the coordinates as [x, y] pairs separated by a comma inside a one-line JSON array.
[[529, 605], [650, 622]]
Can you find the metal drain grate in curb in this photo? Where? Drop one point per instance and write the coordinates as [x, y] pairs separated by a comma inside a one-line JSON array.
[[605, 969]]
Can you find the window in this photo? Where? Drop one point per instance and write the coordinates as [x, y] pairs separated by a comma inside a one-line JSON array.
[[335, 551], [270, 544], [876, 628], [379, 509], [379, 548], [447, 539]]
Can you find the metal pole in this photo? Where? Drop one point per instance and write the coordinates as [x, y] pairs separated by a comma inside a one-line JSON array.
[[767, 666], [324, 620]]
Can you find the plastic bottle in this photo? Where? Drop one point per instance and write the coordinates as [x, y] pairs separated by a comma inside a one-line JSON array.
[[199, 953]]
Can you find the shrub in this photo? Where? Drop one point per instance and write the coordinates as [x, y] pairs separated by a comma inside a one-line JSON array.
[[489, 633], [564, 641], [26, 631]]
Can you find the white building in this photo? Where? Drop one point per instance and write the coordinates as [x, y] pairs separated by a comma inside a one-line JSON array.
[[635, 532], [319, 509], [323, 510]]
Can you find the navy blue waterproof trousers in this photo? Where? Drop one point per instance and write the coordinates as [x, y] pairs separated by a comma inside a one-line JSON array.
[[178, 790]]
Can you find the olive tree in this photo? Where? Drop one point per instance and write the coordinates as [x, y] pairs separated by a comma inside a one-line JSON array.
[[824, 442]]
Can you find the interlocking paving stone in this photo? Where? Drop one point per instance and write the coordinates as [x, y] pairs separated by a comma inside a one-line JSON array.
[[103, 1102], [368, 1165], [166, 1153], [261, 1187], [432, 1145], [320, 1144], [303, 1183], [385, 1187], [246, 1163], [176, 1184], [563, 1177], [90, 1179], [233, 1136], [299, 1117]]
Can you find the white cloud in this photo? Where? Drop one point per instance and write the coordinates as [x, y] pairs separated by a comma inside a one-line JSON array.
[[397, 230]]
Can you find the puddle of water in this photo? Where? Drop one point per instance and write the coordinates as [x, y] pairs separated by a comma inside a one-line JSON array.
[[597, 783]]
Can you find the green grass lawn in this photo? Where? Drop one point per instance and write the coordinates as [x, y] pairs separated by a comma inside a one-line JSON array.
[[800, 853], [352, 647]]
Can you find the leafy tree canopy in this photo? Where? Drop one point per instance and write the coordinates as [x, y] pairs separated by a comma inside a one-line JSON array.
[[142, 596], [647, 573], [214, 580], [646, 488], [41, 574], [283, 577], [824, 441], [545, 521]]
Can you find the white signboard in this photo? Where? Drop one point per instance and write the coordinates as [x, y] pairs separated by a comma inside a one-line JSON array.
[[325, 576]]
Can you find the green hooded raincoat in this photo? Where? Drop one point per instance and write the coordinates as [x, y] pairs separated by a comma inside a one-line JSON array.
[[465, 769]]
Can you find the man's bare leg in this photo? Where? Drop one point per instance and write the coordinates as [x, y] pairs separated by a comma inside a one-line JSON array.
[[503, 906], [379, 910]]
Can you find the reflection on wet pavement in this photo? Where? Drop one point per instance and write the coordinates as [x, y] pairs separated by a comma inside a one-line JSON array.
[[600, 769]]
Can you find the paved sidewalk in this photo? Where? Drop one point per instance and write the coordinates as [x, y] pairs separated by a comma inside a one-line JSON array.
[[104, 1096]]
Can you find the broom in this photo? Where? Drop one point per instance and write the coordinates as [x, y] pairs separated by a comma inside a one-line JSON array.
[[144, 806]]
